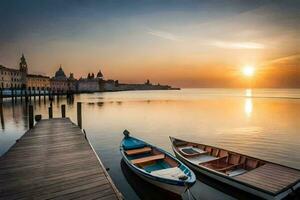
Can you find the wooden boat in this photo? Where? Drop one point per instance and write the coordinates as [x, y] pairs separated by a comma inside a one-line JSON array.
[[156, 165], [261, 178]]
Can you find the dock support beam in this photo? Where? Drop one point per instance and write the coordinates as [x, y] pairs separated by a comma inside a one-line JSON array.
[[30, 116], [50, 109], [63, 111], [79, 119]]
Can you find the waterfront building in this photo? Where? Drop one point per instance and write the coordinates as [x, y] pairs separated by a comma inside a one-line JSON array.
[[38, 82], [72, 83], [91, 83], [10, 78], [59, 83]]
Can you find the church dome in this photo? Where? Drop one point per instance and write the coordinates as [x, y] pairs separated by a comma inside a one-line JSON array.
[[60, 73]]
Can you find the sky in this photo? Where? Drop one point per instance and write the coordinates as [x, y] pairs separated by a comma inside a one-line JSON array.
[[178, 42]]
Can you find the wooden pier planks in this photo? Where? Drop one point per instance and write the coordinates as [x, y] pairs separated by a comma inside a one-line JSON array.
[[271, 177], [54, 161]]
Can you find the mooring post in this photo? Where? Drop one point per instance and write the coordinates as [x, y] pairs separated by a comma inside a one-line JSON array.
[[30, 116], [29, 94], [79, 119], [34, 94], [50, 109], [12, 94], [21, 93], [44, 93], [39, 94], [1, 96], [15, 94], [63, 111]]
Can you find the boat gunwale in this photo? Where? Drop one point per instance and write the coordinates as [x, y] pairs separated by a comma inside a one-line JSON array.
[[231, 178], [190, 180]]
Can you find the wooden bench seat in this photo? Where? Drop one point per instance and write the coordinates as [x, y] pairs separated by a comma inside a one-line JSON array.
[[148, 159], [138, 151]]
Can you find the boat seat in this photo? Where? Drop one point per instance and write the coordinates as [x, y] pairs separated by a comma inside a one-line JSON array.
[[236, 172], [169, 173], [138, 151], [190, 151], [148, 159], [215, 161]]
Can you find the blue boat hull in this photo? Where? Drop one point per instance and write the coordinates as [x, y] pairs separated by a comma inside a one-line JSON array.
[[171, 185]]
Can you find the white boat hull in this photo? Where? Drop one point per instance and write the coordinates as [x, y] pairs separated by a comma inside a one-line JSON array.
[[229, 181], [177, 189], [171, 188]]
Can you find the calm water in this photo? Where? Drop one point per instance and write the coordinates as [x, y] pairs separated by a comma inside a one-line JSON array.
[[261, 123]]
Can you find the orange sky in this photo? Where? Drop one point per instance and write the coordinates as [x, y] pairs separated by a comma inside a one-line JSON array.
[[191, 44]]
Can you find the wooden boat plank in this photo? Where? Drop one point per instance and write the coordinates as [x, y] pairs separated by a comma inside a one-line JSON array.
[[268, 174], [271, 181], [138, 151], [265, 178], [148, 159]]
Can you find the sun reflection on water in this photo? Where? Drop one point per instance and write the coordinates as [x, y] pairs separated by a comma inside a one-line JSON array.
[[248, 102]]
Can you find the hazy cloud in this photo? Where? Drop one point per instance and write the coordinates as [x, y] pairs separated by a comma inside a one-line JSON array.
[[237, 45], [164, 35]]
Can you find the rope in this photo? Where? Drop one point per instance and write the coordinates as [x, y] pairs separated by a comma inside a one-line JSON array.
[[189, 193]]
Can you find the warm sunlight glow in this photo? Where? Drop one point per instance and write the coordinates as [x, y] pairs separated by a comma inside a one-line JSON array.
[[248, 70], [248, 107]]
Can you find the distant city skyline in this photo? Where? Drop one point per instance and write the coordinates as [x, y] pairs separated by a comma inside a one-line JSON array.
[[181, 43]]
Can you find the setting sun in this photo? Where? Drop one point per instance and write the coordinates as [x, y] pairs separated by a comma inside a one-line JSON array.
[[248, 70]]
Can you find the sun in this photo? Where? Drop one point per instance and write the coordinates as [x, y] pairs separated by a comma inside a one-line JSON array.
[[248, 70]]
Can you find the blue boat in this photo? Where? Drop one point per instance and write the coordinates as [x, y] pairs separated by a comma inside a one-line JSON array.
[[155, 165]]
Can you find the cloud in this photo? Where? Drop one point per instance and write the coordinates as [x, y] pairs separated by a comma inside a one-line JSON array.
[[291, 60], [164, 35], [237, 45]]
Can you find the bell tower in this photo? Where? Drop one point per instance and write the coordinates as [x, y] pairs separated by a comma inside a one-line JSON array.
[[23, 65], [23, 70]]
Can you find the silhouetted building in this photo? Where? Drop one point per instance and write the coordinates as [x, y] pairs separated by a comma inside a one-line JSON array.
[[23, 67], [91, 83], [59, 83]]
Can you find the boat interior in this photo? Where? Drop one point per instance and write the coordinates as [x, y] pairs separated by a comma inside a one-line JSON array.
[[155, 162], [220, 160]]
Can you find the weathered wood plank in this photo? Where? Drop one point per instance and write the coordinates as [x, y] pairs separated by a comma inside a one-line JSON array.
[[54, 161], [271, 177]]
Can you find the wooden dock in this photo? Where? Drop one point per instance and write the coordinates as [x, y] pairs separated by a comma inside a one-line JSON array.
[[54, 161]]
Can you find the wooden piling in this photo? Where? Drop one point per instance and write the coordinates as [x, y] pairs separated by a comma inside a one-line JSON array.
[[63, 111], [34, 94], [30, 116], [50, 110], [79, 117], [21, 94], [2, 117], [12, 94]]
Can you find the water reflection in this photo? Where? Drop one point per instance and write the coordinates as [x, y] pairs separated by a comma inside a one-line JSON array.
[[248, 107], [248, 93], [248, 102], [211, 116]]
